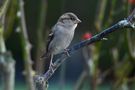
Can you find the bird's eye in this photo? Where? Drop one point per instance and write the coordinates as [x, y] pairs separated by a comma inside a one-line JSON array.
[[72, 18]]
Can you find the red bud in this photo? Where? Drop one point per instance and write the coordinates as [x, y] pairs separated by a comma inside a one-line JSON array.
[[131, 1], [87, 36]]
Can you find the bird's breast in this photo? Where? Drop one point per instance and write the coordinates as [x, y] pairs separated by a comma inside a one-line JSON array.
[[63, 40]]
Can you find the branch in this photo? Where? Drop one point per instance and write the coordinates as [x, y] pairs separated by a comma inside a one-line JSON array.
[[7, 68], [100, 13], [126, 23], [26, 48], [39, 35], [4, 9], [7, 63]]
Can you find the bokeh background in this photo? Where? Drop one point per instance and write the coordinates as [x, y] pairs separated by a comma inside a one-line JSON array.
[[105, 65]]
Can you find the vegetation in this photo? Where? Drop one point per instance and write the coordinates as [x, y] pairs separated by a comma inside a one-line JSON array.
[[24, 26]]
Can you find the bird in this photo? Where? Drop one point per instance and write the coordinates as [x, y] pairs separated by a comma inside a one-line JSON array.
[[61, 35]]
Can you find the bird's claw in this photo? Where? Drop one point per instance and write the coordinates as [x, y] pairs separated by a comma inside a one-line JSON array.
[[66, 52]]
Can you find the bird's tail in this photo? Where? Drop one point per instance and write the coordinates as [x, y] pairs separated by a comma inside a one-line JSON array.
[[48, 60]]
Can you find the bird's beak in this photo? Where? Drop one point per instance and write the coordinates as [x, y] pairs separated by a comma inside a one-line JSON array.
[[78, 21]]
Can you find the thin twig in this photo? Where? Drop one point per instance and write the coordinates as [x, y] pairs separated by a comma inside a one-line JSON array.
[[100, 14], [4, 9], [82, 78], [126, 23]]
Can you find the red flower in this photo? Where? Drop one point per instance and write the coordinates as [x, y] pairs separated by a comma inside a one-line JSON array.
[[131, 1], [87, 36]]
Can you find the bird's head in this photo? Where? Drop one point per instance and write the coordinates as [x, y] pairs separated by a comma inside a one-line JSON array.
[[69, 19]]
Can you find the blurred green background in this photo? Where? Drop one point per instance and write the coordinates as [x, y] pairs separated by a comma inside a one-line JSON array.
[[112, 62]]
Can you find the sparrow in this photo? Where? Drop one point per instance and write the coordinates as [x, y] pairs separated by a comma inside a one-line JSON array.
[[61, 35]]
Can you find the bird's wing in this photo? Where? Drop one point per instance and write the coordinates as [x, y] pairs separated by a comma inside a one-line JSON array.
[[49, 39]]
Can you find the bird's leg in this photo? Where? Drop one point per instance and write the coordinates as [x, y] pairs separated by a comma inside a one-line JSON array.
[[66, 52], [51, 64]]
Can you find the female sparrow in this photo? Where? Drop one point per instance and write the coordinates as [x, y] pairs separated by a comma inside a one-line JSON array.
[[61, 35]]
